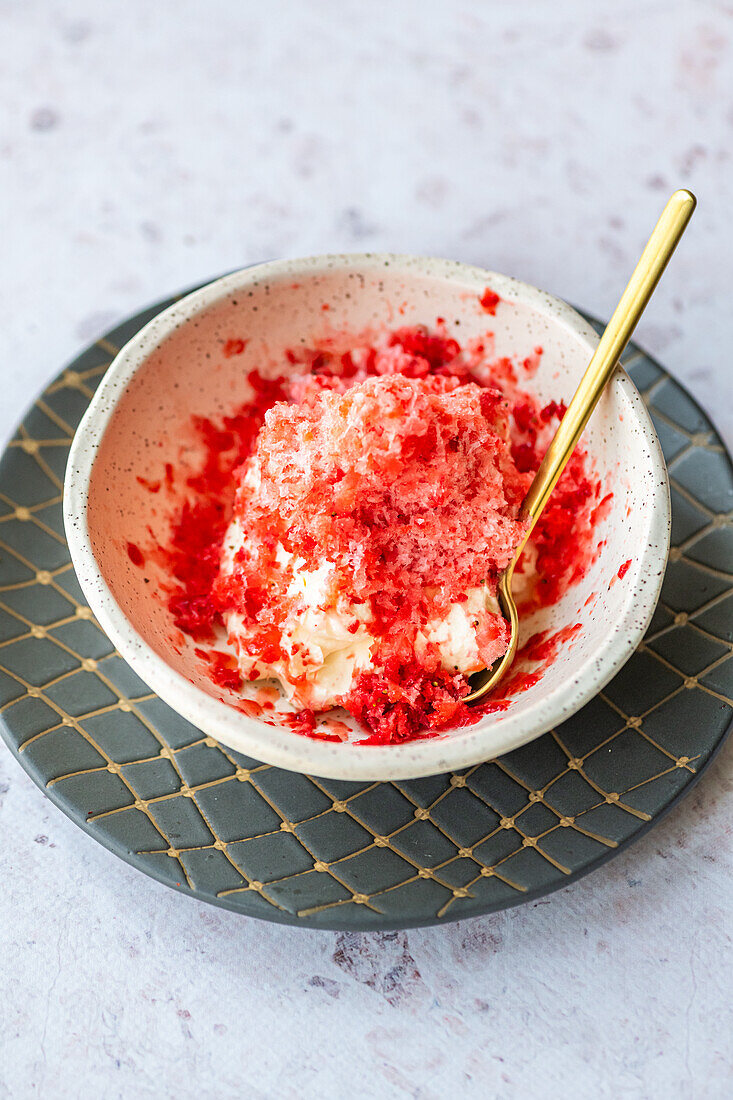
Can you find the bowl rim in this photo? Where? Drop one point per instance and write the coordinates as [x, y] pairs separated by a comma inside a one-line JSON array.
[[284, 748]]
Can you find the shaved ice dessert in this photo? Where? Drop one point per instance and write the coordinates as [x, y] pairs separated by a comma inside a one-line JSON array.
[[348, 528]]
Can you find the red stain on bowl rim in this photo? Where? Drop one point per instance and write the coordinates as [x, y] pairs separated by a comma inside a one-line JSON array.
[[135, 554], [223, 668], [540, 650], [151, 486], [233, 346], [489, 300]]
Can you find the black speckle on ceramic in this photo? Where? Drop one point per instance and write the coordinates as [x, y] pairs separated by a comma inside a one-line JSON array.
[[335, 854]]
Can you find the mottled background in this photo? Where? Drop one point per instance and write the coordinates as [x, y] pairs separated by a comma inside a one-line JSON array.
[[146, 146]]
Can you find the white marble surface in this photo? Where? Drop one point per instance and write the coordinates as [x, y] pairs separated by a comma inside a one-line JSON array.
[[146, 146]]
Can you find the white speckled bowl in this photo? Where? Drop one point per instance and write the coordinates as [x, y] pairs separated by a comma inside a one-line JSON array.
[[140, 417]]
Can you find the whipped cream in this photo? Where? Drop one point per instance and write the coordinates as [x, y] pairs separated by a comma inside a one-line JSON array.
[[325, 652]]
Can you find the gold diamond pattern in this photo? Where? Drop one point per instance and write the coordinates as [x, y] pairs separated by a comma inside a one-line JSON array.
[[243, 834]]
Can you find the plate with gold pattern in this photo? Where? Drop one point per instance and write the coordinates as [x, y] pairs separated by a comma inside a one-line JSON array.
[[330, 854]]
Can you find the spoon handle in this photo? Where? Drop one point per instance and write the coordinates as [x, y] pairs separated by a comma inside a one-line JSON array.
[[647, 273]]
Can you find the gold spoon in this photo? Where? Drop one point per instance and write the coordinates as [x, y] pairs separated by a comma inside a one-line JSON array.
[[634, 299]]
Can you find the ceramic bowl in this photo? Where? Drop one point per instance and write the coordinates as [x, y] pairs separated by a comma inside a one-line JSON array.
[[140, 419]]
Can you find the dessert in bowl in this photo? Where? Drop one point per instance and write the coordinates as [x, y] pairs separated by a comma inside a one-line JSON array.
[[291, 497]]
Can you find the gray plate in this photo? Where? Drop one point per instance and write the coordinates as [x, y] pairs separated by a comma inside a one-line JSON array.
[[327, 854]]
